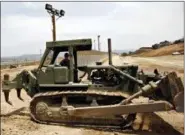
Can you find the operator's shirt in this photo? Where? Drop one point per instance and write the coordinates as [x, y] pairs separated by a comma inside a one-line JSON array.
[[65, 62]]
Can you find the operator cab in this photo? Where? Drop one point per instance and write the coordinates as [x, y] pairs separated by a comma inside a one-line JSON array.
[[51, 72]]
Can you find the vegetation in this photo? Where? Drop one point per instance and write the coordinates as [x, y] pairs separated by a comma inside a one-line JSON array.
[[179, 41], [124, 54]]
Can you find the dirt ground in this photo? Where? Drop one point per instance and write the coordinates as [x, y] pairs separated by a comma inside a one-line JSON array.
[[162, 63], [160, 123]]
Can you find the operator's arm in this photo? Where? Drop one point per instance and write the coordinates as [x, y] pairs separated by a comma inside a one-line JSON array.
[[65, 63], [62, 63]]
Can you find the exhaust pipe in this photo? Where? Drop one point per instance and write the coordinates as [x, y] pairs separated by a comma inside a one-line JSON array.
[[110, 51]]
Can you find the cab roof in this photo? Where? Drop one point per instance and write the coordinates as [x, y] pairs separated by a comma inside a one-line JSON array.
[[77, 44]]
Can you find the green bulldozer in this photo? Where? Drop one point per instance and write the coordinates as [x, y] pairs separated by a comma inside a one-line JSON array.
[[59, 96]]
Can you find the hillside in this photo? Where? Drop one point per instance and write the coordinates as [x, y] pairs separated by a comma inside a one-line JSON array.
[[166, 50]]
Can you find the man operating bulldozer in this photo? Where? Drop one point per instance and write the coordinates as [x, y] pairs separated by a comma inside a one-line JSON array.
[[65, 61]]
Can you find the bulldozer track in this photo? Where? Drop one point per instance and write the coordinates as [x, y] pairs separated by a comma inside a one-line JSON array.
[[120, 121]]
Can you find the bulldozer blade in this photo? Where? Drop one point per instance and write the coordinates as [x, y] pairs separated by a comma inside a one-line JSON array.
[[173, 90]]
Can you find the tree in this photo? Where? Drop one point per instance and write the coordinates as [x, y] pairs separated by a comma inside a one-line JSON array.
[[155, 46]]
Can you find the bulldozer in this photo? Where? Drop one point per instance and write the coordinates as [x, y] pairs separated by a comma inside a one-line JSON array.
[[59, 96]]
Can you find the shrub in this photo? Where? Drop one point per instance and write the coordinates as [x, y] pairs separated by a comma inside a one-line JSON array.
[[124, 54]]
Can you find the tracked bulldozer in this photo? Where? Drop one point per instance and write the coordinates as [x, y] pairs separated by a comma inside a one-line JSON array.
[[59, 96]]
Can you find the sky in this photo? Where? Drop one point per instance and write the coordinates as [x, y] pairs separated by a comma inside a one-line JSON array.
[[26, 26]]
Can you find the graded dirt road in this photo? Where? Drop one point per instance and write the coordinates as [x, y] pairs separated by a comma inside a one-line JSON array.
[[162, 123]]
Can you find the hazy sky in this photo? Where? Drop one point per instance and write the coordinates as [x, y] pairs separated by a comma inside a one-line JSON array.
[[26, 26]]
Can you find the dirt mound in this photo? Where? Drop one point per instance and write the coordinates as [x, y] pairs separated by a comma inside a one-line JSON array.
[[167, 50], [92, 52]]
